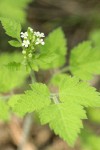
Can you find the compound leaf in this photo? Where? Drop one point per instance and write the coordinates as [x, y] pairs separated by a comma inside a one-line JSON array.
[[65, 116]]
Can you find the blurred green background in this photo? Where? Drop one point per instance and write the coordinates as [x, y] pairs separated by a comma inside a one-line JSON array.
[[80, 20]]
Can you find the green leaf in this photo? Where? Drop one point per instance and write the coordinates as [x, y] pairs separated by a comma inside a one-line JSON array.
[[14, 43], [13, 65], [54, 50], [12, 75], [35, 99], [64, 119], [4, 111], [85, 61], [65, 116], [44, 60], [76, 91], [13, 100], [12, 27]]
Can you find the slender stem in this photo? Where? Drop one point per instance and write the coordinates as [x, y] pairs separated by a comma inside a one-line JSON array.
[[67, 68], [26, 130], [28, 119], [33, 78], [55, 99]]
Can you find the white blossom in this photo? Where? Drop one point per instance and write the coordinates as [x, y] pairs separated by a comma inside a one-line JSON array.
[[42, 35], [24, 35], [26, 43], [38, 34], [39, 41]]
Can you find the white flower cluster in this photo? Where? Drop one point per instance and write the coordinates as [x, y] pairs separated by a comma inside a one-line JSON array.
[[38, 38], [38, 34], [30, 41]]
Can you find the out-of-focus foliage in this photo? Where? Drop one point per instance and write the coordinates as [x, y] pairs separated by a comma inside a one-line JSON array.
[[93, 115], [11, 78], [54, 51], [14, 9], [85, 61], [90, 141], [4, 110], [95, 37], [56, 78]]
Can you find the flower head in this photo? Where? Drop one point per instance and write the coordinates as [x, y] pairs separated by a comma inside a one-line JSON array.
[[30, 40]]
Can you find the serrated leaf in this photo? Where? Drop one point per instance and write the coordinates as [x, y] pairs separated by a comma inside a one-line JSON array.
[[35, 99], [85, 61], [13, 65], [64, 119], [12, 27], [4, 111], [13, 100], [15, 43], [65, 116], [71, 89], [55, 45]]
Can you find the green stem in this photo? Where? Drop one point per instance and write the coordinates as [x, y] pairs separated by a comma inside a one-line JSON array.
[[67, 68], [28, 119], [32, 75], [55, 99]]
